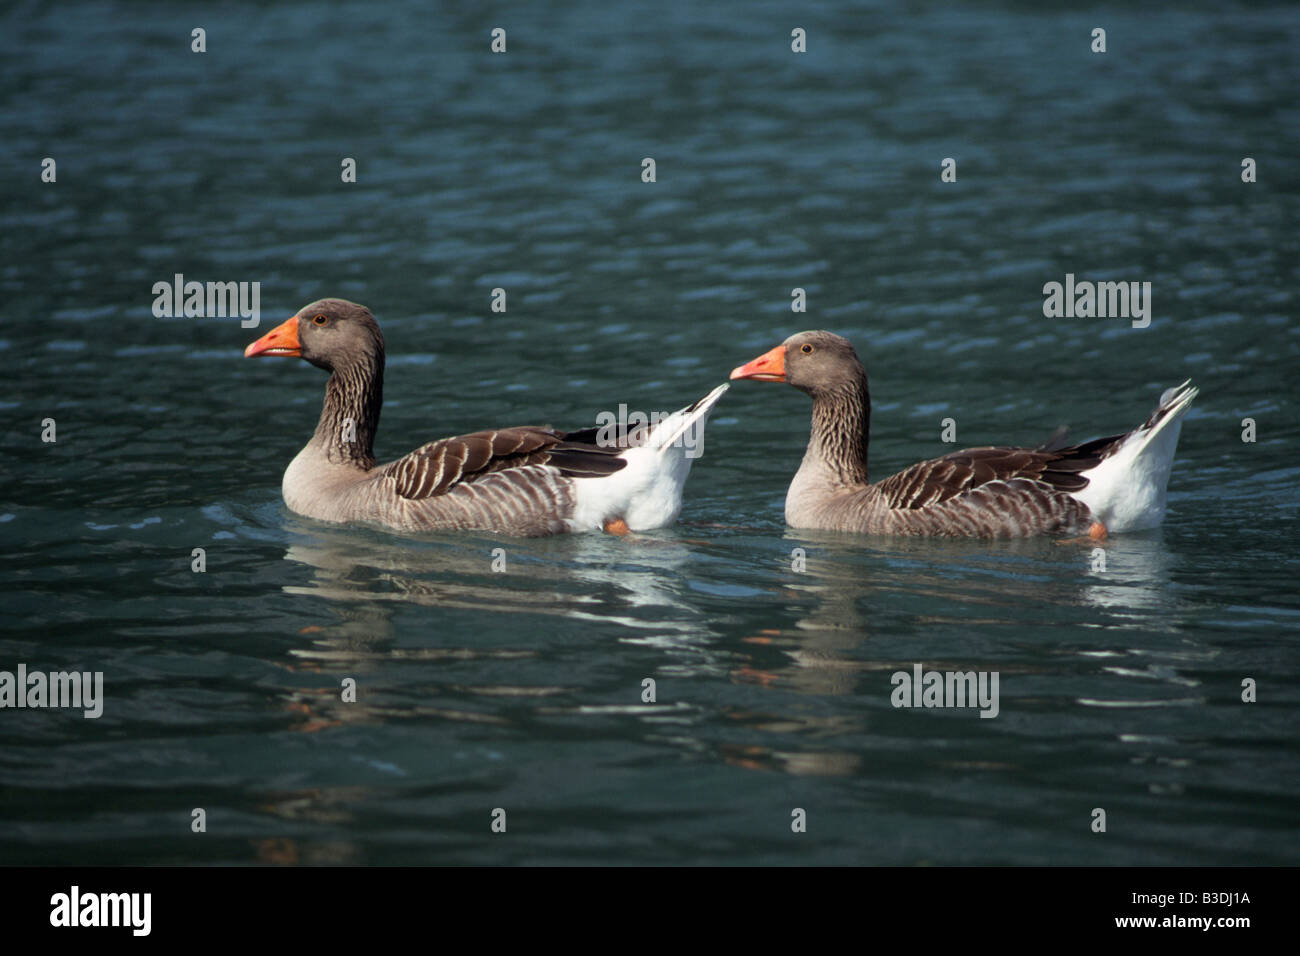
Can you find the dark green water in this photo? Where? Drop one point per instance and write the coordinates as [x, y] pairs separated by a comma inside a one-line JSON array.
[[1119, 689]]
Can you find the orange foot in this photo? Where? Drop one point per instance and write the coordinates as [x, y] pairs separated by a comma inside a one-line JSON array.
[[617, 526], [1096, 532]]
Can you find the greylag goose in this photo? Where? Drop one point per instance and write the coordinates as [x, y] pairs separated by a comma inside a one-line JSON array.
[[527, 480], [1111, 484]]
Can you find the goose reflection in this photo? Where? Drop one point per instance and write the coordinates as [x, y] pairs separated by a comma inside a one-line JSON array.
[[587, 577], [635, 586], [846, 587], [855, 597], [328, 807]]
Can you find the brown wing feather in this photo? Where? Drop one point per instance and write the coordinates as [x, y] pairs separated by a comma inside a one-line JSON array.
[[438, 467], [937, 480]]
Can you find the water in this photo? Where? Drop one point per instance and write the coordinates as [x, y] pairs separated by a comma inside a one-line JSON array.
[[477, 690]]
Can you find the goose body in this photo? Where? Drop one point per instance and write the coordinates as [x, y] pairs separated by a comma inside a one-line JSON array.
[[1109, 485], [525, 480]]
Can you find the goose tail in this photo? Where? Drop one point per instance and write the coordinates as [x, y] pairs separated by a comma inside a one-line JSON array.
[[647, 492], [1126, 491]]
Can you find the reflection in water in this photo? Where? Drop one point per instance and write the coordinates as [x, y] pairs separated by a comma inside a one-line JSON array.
[[1012, 584], [817, 763], [996, 592], [324, 806], [632, 585], [584, 577], [849, 599]]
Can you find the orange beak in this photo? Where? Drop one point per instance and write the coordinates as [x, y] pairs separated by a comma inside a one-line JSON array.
[[768, 367], [281, 340]]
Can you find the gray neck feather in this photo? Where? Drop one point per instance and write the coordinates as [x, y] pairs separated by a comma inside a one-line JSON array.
[[350, 415], [841, 426]]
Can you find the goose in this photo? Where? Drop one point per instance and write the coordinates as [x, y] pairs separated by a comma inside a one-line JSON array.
[[1109, 485], [527, 480]]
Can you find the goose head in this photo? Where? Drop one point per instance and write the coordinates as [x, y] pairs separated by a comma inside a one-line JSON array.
[[817, 362], [330, 334]]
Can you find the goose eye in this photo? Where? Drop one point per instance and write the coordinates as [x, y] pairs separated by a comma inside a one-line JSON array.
[[806, 349], [319, 320]]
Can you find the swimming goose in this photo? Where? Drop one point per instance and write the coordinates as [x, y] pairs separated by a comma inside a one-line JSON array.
[[1111, 484], [526, 480]]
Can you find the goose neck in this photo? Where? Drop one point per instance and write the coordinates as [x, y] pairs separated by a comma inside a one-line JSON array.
[[841, 425], [349, 417]]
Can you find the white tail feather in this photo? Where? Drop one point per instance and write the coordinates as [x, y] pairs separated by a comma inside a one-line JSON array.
[[1126, 492], [666, 433], [647, 492]]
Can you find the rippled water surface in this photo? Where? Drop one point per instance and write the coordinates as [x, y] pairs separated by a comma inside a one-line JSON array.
[[1120, 689]]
